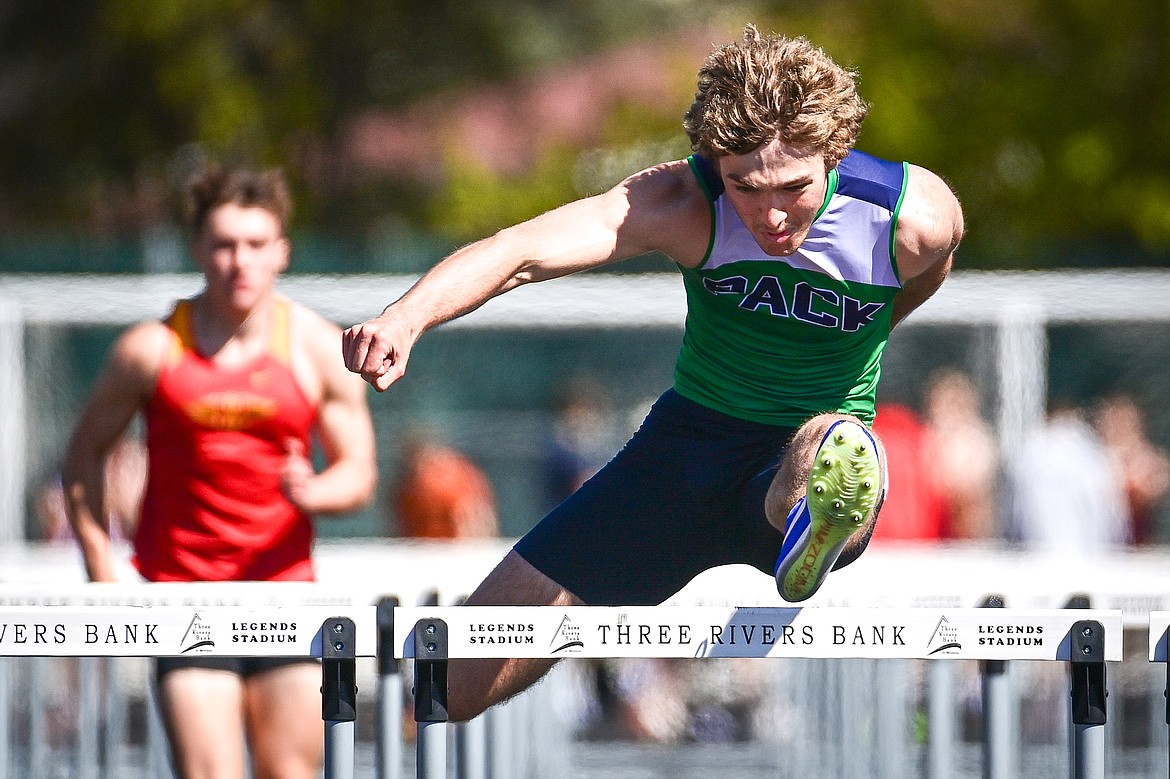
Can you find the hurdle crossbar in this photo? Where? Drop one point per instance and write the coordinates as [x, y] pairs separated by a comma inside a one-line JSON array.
[[1086, 639], [175, 631], [718, 631]]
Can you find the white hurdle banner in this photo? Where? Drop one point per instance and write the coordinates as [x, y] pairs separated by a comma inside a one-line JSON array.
[[1084, 638], [718, 631], [174, 631], [239, 619], [299, 619]]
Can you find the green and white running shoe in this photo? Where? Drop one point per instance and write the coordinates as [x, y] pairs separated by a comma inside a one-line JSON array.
[[844, 487]]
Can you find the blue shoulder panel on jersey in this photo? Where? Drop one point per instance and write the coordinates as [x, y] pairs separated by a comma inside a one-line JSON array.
[[711, 179], [865, 177]]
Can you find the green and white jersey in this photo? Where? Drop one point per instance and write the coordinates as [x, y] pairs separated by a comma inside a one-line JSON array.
[[780, 339]]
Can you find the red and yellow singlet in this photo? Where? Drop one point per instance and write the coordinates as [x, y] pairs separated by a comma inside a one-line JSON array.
[[214, 509]]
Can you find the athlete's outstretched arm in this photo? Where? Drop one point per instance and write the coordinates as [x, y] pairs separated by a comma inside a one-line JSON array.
[[121, 390], [930, 227], [656, 209]]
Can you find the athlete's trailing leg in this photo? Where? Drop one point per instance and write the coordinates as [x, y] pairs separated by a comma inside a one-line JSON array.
[[476, 684]]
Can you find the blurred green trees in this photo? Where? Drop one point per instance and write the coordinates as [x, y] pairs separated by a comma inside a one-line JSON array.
[[1051, 118]]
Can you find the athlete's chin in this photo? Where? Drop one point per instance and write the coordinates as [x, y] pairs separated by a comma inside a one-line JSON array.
[[243, 289], [780, 244], [778, 247]]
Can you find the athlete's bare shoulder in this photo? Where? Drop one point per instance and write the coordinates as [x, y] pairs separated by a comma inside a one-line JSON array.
[[144, 343], [137, 356], [668, 211], [308, 319], [312, 333], [930, 223], [316, 344]]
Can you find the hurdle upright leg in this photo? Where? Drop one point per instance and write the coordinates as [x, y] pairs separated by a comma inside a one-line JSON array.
[[998, 720], [388, 757], [430, 698], [999, 713], [1088, 699], [339, 695]]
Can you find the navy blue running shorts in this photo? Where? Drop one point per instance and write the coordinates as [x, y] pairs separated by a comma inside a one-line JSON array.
[[240, 666], [685, 494]]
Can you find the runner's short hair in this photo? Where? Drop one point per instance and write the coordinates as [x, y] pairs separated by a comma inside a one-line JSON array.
[[216, 186], [759, 88]]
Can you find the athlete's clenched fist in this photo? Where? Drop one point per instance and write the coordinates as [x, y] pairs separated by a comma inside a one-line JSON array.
[[378, 349]]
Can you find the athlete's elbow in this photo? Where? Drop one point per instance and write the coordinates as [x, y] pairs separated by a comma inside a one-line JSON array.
[[523, 264], [366, 496], [365, 487]]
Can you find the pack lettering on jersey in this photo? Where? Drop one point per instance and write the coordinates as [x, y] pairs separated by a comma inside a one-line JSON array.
[[813, 305]]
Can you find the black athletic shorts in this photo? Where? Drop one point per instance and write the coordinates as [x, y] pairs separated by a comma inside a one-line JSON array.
[[685, 494], [240, 666]]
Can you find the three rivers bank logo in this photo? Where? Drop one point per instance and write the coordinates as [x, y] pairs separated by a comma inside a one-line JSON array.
[[197, 639], [567, 637], [944, 639]]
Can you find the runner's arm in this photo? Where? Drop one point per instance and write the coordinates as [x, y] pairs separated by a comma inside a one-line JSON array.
[[930, 227], [660, 208], [344, 427], [120, 391]]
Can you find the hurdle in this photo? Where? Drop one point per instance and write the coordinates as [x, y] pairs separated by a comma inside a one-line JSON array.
[[335, 635], [1084, 639], [502, 746]]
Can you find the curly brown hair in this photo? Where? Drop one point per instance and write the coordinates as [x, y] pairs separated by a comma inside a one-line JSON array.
[[216, 186], [761, 88]]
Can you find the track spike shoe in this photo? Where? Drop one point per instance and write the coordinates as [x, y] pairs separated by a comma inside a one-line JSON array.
[[844, 487]]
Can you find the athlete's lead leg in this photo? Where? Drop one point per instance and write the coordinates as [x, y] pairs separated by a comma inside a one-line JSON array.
[[825, 497]]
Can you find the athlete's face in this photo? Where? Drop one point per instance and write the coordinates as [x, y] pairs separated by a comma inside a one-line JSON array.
[[241, 251], [777, 190]]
